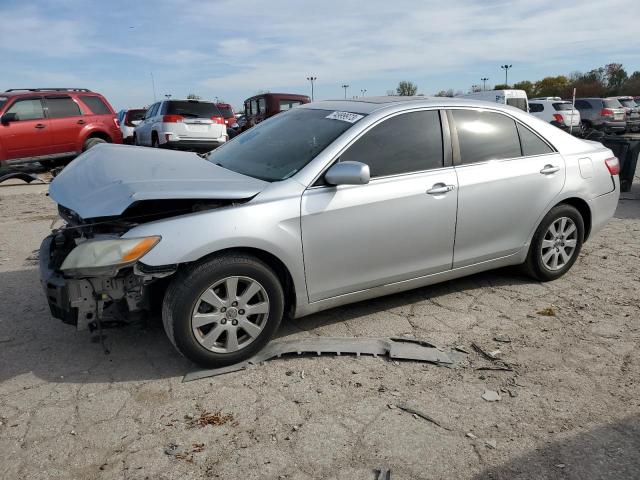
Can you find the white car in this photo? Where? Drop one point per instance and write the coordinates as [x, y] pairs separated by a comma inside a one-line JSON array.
[[128, 119], [557, 112], [183, 125], [515, 98]]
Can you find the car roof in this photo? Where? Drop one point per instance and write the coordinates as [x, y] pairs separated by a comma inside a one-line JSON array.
[[16, 92], [367, 105]]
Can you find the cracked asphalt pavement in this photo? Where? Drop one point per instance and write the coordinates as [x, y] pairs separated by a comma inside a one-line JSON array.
[[568, 408]]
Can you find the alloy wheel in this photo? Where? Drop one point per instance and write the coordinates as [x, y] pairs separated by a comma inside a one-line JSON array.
[[230, 314], [559, 243]]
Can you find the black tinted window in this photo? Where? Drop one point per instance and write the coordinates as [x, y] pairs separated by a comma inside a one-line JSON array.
[[410, 142], [27, 109], [536, 107], [485, 136], [95, 104], [61, 107], [583, 105], [133, 115], [226, 112], [559, 106], [192, 109], [531, 143]]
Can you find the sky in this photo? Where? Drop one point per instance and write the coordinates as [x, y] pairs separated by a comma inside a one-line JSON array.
[[234, 49]]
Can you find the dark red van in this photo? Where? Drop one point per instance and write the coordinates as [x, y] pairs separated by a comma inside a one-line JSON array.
[[266, 105]]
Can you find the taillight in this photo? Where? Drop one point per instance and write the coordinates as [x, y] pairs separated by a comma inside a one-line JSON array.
[[219, 120], [613, 164], [559, 118], [172, 118], [606, 112]]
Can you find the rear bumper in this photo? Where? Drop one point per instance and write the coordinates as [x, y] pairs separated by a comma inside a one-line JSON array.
[[613, 126], [187, 144], [633, 125]]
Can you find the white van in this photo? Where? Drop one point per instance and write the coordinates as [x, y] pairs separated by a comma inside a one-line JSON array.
[[515, 98]]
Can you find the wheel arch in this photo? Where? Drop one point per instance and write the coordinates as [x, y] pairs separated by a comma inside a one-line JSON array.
[[585, 211], [96, 134]]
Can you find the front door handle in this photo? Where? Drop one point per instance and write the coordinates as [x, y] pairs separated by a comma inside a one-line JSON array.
[[81, 122], [549, 169], [41, 126], [440, 188]]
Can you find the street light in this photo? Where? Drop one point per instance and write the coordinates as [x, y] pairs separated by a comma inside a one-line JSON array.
[[506, 73], [363, 91], [312, 79], [345, 86], [484, 83]]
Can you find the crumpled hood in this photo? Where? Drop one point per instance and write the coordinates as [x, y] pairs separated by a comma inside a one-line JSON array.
[[107, 179]]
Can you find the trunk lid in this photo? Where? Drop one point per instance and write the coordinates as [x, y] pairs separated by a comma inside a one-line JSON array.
[[107, 179]]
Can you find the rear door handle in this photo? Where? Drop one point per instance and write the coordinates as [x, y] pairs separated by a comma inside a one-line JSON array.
[[440, 188], [549, 169], [40, 126]]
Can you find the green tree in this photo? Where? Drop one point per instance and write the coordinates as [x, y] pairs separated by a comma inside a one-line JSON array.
[[551, 87], [502, 86], [632, 85], [590, 84], [616, 77], [525, 85], [406, 88], [445, 93]]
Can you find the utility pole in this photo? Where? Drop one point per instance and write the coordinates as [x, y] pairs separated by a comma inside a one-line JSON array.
[[153, 85], [312, 79], [363, 91], [484, 83], [506, 73], [345, 86]]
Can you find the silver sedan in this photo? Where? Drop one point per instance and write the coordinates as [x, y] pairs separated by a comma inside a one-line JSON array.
[[329, 203]]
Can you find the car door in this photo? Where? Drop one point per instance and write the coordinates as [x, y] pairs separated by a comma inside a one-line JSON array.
[[399, 226], [507, 177], [66, 122], [28, 134]]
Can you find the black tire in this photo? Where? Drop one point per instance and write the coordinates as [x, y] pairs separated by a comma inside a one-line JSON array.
[[135, 140], [189, 284], [92, 142], [155, 143], [534, 265]]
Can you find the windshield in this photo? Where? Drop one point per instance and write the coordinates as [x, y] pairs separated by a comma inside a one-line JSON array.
[[192, 109], [133, 115], [226, 111], [3, 100], [281, 146], [562, 106]]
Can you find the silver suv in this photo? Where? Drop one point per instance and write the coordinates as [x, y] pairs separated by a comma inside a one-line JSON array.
[[633, 113], [323, 205], [605, 114], [183, 125]]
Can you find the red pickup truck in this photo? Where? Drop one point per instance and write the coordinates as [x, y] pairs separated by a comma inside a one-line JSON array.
[[51, 124]]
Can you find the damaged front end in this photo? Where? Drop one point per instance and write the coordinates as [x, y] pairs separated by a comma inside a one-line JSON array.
[[87, 265]]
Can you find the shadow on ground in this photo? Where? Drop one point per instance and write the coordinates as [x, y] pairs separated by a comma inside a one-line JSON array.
[[610, 452], [32, 341]]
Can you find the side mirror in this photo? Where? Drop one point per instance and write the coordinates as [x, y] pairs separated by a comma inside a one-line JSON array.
[[348, 173], [8, 118]]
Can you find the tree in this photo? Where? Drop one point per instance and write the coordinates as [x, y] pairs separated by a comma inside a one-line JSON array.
[[525, 85], [551, 87], [631, 85], [501, 86], [406, 88], [193, 96], [616, 76], [445, 93]]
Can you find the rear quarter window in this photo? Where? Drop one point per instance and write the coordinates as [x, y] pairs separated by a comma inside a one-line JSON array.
[[62, 107], [536, 107], [612, 103], [531, 143], [559, 106], [95, 104]]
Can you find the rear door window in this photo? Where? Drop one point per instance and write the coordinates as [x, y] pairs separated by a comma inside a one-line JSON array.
[[27, 109], [531, 143], [410, 142], [485, 136], [62, 107], [95, 104]]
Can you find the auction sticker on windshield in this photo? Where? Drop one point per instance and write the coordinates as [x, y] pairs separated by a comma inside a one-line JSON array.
[[345, 116]]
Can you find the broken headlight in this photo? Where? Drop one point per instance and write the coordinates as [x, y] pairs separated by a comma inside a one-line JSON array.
[[95, 254]]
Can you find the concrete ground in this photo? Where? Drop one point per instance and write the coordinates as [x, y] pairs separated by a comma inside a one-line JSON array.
[[570, 409]]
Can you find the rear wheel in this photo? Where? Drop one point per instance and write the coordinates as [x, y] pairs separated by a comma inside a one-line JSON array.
[[92, 142], [224, 310], [135, 139], [556, 243], [155, 143]]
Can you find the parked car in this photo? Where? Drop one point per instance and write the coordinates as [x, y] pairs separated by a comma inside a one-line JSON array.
[[49, 125], [515, 98], [128, 120], [557, 112], [227, 113], [261, 107], [604, 114], [183, 125], [329, 203], [632, 113]]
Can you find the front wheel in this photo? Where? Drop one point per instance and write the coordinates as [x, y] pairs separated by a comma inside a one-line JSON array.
[[92, 142], [223, 311], [556, 243]]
